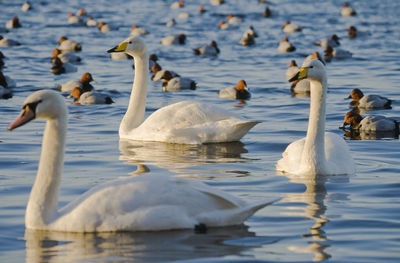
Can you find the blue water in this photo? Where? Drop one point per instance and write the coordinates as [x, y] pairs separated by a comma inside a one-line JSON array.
[[336, 219]]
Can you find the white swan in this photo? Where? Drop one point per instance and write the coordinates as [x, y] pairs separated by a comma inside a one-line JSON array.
[[183, 122], [320, 152], [139, 203]]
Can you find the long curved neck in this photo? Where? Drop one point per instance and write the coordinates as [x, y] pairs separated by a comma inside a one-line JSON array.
[[313, 155], [137, 103], [42, 204]]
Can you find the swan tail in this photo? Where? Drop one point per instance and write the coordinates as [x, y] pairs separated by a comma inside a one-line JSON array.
[[240, 129]]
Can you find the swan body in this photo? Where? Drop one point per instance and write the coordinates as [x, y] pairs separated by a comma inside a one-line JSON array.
[[134, 203], [183, 122], [320, 152]]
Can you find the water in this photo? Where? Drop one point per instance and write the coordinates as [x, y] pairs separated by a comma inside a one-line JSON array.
[[338, 219]]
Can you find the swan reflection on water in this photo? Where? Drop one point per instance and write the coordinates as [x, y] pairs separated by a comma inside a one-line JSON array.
[[177, 157], [47, 246], [314, 197]]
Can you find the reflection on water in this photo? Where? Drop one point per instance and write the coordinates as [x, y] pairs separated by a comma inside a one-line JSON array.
[[176, 157], [370, 135], [315, 209], [44, 246]]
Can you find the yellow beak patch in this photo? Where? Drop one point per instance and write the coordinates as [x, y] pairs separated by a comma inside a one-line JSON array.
[[121, 47], [303, 72]]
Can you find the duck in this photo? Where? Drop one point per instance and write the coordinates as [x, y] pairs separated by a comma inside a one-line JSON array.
[[177, 4], [290, 27], [83, 83], [73, 19], [89, 97], [103, 27], [223, 25], [238, 92], [68, 45], [331, 53], [171, 23], [247, 40], [332, 41], [347, 10], [369, 101], [91, 21], [312, 56], [217, 2], [174, 83], [81, 12], [137, 31], [370, 123], [251, 31], [202, 9], [6, 42], [320, 153], [285, 46], [158, 73], [211, 50], [183, 15], [7, 82], [26, 6], [149, 202], [267, 12], [234, 20], [5, 93], [13, 23], [352, 32], [185, 122], [174, 40], [60, 68], [66, 57]]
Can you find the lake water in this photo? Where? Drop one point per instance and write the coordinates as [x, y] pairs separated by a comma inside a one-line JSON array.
[[352, 218]]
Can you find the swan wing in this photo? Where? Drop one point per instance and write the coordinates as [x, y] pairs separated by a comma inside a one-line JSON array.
[[338, 155]]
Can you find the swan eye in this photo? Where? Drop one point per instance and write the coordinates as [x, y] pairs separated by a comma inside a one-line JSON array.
[[32, 106], [310, 66], [130, 42]]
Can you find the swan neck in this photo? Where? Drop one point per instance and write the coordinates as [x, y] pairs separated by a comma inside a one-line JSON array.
[[137, 103], [314, 148], [42, 204]]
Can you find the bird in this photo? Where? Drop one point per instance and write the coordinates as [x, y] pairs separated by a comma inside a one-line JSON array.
[[81, 12], [171, 82], [137, 31], [26, 6], [290, 27], [134, 203], [238, 92], [6, 42], [60, 68], [347, 10], [233, 20], [68, 45], [7, 82], [251, 31], [5, 88], [370, 123], [13, 23], [83, 83], [177, 4], [285, 46], [91, 21], [185, 122], [336, 53], [171, 23], [267, 12], [223, 25], [73, 19], [217, 2], [247, 39], [352, 32], [332, 41], [320, 152], [312, 56], [103, 27], [369, 101], [174, 40], [207, 50], [66, 56], [89, 97], [158, 73]]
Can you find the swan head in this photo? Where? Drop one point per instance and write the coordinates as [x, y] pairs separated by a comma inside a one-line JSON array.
[[42, 104], [314, 70], [133, 46]]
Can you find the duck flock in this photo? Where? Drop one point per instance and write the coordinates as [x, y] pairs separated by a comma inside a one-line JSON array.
[[184, 122]]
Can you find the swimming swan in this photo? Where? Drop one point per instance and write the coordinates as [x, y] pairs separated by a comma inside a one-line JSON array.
[[134, 203], [185, 122], [320, 152]]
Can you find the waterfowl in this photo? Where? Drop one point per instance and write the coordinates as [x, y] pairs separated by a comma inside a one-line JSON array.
[[174, 83], [247, 40], [183, 15], [68, 45], [202, 10], [73, 19], [352, 32], [133, 203], [332, 41], [369, 101], [217, 2], [285, 46], [207, 50], [83, 83], [267, 12], [238, 92], [347, 10], [7, 82], [1, 60], [26, 6], [320, 152], [66, 57], [174, 40], [298, 86], [370, 123], [290, 27], [233, 20], [6, 42], [89, 97], [312, 56], [5, 89], [13, 23], [223, 25], [103, 27], [251, 31], [184, 122], [171, 22], [336, 53], [137, 31], [81, 12], [158, 73], [60, 68], [177, 4], [91, 22]]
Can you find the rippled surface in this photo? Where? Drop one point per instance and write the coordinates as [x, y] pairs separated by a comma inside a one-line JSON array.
[[339, 218]]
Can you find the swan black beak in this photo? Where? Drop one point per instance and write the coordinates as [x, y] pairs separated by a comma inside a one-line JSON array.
[[302, 74], [120, 48]]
